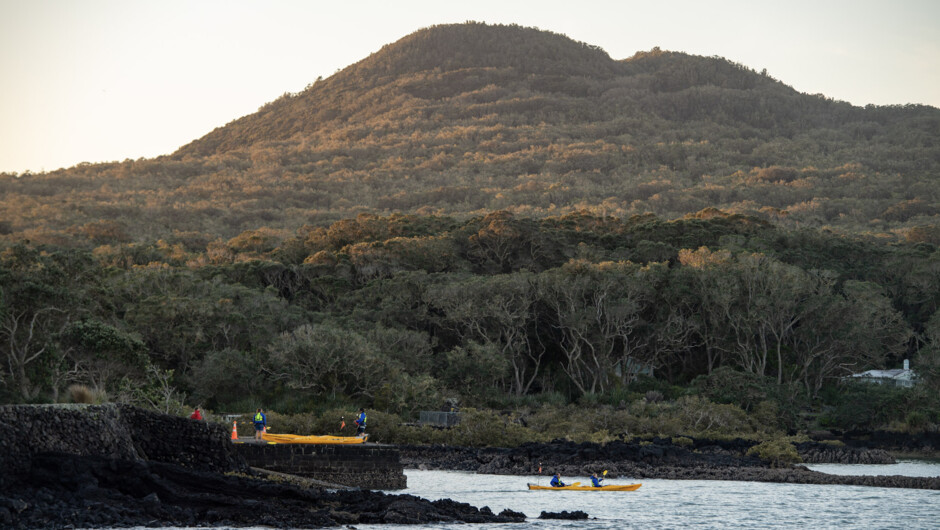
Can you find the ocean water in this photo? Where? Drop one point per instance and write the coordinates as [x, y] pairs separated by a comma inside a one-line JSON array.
[[905, 468], [670, 504], [694, 503]]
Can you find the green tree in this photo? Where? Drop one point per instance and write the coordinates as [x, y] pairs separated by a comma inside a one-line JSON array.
[[596, 311], [103, 354], [497, 311], [328, 359], [37, 294]]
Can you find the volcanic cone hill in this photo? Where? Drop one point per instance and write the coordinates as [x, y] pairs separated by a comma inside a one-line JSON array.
[[469, 118]]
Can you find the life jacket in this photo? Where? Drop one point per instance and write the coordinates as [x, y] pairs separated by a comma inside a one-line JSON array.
[[596, 481], [556, 482], [361, 420], [259, 418]]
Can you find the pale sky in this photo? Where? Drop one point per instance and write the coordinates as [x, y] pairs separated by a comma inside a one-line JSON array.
[[106, 80]]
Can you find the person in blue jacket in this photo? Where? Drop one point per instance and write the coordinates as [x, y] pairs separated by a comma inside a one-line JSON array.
[[361, 423], [556, 481], [260, 422], [596, 481]]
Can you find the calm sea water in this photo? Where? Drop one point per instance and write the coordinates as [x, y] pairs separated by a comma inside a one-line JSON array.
[[693, 503]]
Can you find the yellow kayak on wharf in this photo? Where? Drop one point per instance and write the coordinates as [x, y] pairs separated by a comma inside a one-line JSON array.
[[298, 439]]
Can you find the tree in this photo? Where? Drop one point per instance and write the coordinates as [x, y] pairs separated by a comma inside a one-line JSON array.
[[497, 311], [103, 354], [34, 306], [769, 300], [711, 294], [328, 359], [847, 333], [596, 309], [472, 369]]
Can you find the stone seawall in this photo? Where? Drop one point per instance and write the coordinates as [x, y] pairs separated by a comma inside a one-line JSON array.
[[112, 431], [364, 466]]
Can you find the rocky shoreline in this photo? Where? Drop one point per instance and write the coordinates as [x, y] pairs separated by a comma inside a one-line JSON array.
[[61, 490], [658, 458], [117, 466]]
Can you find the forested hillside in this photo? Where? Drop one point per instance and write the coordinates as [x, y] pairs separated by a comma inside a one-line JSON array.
[[506, 218], [470, 118]]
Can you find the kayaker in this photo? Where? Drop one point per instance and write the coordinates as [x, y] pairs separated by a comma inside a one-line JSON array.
[[556, 482], [596, 481]]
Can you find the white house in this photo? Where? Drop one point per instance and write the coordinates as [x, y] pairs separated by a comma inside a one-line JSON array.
[[898, 377]]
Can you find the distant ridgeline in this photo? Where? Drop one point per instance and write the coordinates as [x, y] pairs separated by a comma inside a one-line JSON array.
[[469, 118]]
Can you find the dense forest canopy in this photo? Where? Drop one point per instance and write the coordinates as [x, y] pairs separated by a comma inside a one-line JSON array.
[[493, 214], [402, 312]]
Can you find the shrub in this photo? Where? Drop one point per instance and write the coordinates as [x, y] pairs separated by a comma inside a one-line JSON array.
[[484, 428], [80, 394], [700, 416], [779, 452], [748, 391], [644, 384], [726, 385], [682, 441], [83, 394], [860, 405], [766, 416], [916, 420]]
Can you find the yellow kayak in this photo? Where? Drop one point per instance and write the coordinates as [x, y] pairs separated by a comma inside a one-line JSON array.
[[298, 439], [578, 487]]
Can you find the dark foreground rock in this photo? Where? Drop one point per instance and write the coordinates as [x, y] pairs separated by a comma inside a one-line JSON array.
[[61, 490], [655, 458], [118, 466], [576, 515]]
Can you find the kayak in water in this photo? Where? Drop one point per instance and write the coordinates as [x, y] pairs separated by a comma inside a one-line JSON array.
[[579, 487]]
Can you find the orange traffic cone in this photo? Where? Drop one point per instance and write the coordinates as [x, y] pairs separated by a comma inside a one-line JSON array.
[[234, 430]]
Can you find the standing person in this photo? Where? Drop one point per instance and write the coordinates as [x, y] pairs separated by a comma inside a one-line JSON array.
[[196, 415], [595, 480], [556, 481], [260, 422], [361, 423]]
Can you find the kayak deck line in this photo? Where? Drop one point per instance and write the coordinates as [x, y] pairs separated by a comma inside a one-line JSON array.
[[573, 487]]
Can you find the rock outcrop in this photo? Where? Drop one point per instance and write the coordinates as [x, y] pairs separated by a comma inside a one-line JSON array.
[[119, 466], [822, 453], [62, 490]]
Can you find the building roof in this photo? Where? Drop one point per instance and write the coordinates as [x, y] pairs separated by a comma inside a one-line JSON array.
[[898, 373]]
